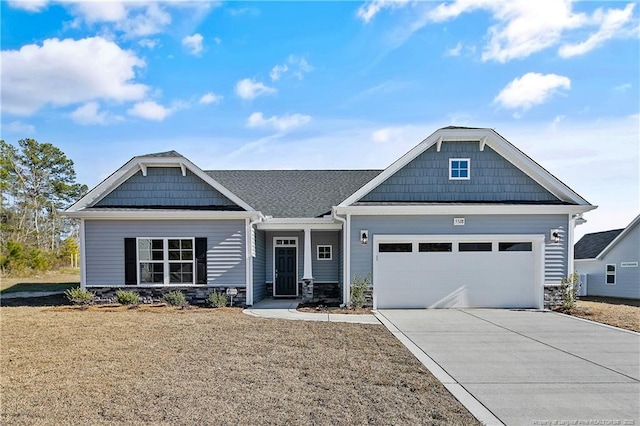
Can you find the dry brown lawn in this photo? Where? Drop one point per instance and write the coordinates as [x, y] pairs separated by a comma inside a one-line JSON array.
[[619, 315], [166, 366], [47, 281]]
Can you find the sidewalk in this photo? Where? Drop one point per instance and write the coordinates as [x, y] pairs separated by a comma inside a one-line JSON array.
[[286, 309]]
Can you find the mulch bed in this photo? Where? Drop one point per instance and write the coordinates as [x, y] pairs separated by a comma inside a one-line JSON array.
[[331, 308]]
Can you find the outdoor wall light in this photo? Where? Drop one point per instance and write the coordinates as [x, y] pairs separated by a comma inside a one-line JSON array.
[[555, 236], [364, 236]]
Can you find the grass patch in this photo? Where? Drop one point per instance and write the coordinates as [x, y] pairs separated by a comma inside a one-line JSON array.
[[163, 365], [618, 315], [52, 281]]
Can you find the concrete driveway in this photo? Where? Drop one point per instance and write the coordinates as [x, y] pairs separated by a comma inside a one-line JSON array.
[[528, 367]]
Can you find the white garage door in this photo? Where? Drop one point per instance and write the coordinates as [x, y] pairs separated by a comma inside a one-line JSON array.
[[460, 271]]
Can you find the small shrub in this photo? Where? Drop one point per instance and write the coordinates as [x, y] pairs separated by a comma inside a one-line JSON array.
[[127, 297], [358, 287], [79, 296], [570, 287], [174, 298], [217, 300]]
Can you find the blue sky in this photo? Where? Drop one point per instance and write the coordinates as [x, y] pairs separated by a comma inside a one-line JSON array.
[[297, 85]]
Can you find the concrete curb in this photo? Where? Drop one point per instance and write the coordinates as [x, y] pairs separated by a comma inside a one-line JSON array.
[[474, 406]]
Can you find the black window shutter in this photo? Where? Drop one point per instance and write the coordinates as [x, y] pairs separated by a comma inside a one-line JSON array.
[[201, 260], [130, 267]]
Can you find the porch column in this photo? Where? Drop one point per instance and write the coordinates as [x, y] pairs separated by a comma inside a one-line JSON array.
[[308, 269]]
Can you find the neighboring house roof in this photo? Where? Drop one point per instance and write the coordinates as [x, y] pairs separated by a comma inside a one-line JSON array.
[[597, 244], [293, 193], [591, 245], [485, 137]]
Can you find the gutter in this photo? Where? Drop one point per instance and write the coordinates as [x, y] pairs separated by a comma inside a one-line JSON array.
[[345, 252]]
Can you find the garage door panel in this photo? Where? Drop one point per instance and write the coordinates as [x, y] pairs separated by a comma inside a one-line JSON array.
[[455, 279]]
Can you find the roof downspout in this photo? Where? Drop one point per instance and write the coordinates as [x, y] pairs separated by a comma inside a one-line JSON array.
[[345, 257], [249, 268]]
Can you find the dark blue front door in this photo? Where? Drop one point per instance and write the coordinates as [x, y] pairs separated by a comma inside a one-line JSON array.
[[285, 271]]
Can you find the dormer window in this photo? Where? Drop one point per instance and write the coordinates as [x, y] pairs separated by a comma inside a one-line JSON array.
[[459, 168]]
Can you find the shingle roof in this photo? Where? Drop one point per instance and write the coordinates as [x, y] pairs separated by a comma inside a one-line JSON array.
[[293, 193], [592, 245]]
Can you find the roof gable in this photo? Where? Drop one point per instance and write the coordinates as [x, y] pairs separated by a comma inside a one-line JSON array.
[[159, 171], [493, 179], [483, 138]]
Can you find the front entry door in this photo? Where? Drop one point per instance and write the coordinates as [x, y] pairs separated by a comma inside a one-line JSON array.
[[286, 282]]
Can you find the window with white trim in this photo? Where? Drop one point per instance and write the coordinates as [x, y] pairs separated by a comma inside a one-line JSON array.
[[324, 252], [611, 274], [459, 168], [166, 260]]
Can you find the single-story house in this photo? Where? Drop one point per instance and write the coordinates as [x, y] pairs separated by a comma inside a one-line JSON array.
[[607, 262], [464, 219]]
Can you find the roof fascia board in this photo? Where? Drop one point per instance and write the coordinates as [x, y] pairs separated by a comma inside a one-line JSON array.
[[160, 214], [142, 163], [617, 239], [299, 223], [484, 137], [473, 209]]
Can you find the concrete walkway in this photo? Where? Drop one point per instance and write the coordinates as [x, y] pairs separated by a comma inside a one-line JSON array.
[[517, 367], [286, 309]]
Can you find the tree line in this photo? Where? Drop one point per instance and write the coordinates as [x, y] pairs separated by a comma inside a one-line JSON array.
[[37, 182]]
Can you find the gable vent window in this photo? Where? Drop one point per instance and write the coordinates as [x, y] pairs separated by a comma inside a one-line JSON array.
[[459, 168], [611, 274]]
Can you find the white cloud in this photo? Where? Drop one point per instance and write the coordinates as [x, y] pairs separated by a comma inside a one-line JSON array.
[[250, 89], [282, 124], [210, 98], [64, 72], [134, 19], [367, 11], [277, 71], [29, 5], [149, 43], [623, 87], [612, 22], [521, 27], [531, 89], [455, 51], [193, 43], [89, 113], [20, 127], [150, 110], [296, 65]]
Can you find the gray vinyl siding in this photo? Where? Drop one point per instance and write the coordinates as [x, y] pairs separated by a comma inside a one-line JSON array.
[[259, 262], [426, 179], [326, 270], [269, 249], [627, 279], [105, 247], [165, 186], [555, 254]]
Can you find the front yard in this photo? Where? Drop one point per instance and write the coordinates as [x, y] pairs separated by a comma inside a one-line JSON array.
[[620, 314], [165, 366]]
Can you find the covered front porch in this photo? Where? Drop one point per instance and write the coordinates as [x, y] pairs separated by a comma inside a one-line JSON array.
[[298, 258]]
